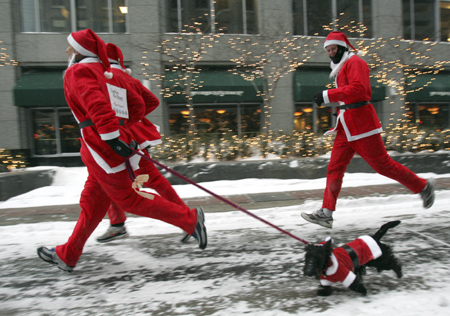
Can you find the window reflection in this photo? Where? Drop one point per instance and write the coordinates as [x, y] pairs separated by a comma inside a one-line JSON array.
[[93, 13], [55, 131], [68, 132], [305, 114], [55, 16], [103, 16], [44, 132], [419, 18], [204, 16], [430, 116], [237, 119], [315, 18]]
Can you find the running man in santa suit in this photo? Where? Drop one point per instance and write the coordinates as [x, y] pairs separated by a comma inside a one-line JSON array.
[[357, 130], [91, 93], [146, 134]]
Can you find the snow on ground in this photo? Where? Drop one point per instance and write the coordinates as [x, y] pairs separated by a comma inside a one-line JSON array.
[[68, 184], [248, 268]]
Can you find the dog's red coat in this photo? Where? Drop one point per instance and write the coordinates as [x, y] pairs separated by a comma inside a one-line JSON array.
[[340, 266]]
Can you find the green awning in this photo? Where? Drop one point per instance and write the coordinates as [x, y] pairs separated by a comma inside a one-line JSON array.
[[428, 87], [308, 83], [40, 89], [213, 86]]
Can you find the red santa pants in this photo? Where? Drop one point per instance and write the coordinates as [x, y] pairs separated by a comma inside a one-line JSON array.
[[100, 190], [156, 182], [373, 151]]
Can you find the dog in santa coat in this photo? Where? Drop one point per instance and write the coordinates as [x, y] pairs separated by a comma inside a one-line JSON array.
[[347, 264]]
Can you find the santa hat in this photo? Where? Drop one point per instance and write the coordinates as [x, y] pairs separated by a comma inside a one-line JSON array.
[[115, 55], [87, 43], [339, 38]]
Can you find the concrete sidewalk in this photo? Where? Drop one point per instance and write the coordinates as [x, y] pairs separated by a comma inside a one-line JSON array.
[[211, 204]]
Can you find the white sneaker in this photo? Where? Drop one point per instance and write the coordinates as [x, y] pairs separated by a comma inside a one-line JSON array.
[[427, 194], [319, 218], [113, 233], [50, 256]]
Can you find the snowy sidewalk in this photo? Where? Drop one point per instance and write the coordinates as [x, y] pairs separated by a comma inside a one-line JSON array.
[[248, 267], [250, 201]]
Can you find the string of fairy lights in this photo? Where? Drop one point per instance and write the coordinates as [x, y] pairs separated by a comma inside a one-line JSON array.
[[270, 61], [256, 58], [9, 160]]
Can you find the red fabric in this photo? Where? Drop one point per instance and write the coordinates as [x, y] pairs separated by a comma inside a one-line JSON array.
[[87, 96], [146, 134], [144, 131], [337, 38], [358, 131], [373, 151], [87, 43], [100, 190], [156, 182], [340, 269], [353, 85]]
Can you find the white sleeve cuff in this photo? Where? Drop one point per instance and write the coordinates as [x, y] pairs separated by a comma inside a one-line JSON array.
[[111, 135], [325, 96]]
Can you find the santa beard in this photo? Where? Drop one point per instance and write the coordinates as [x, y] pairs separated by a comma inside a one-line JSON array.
[[71, 60]]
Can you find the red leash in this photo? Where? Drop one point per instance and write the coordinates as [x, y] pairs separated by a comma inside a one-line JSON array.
[[218, 196]]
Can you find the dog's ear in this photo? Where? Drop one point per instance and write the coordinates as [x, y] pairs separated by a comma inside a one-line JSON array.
[[329, 243]]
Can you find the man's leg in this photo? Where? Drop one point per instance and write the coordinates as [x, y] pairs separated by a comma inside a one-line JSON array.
[[373, 151], [341, 155], [94, 203]]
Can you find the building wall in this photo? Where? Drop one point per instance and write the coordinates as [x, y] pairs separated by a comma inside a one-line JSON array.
[[10, 117], [146, 24]]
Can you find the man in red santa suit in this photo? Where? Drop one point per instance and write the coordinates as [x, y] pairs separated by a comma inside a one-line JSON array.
[[357, 130], [146, 134], [103, 105]]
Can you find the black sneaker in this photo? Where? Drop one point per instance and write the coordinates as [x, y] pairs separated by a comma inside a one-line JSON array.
[[427, 194], [200, 229], [319, 218], [113, 233], [50, 256]]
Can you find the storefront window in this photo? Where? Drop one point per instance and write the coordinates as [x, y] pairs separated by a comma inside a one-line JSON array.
[[311, 118], [44, 132], [55, 132], [238, 119], [303, 117], [430, 116], [68, 132]]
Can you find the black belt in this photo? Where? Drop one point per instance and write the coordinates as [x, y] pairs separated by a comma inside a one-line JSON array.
[[87, 123], [354, 105], [352, 255]]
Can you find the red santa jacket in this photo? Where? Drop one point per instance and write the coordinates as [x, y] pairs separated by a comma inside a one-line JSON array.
[[146, 133], [353, 86], [340, 267], [86, 92]]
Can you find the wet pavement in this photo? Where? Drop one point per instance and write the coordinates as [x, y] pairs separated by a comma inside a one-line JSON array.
[[251, 270]]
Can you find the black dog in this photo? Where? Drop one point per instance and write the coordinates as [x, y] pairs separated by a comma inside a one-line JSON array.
[[347, 264]]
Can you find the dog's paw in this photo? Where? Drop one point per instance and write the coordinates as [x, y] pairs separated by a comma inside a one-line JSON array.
[[398, 271], [358, 287], [324, 291]]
